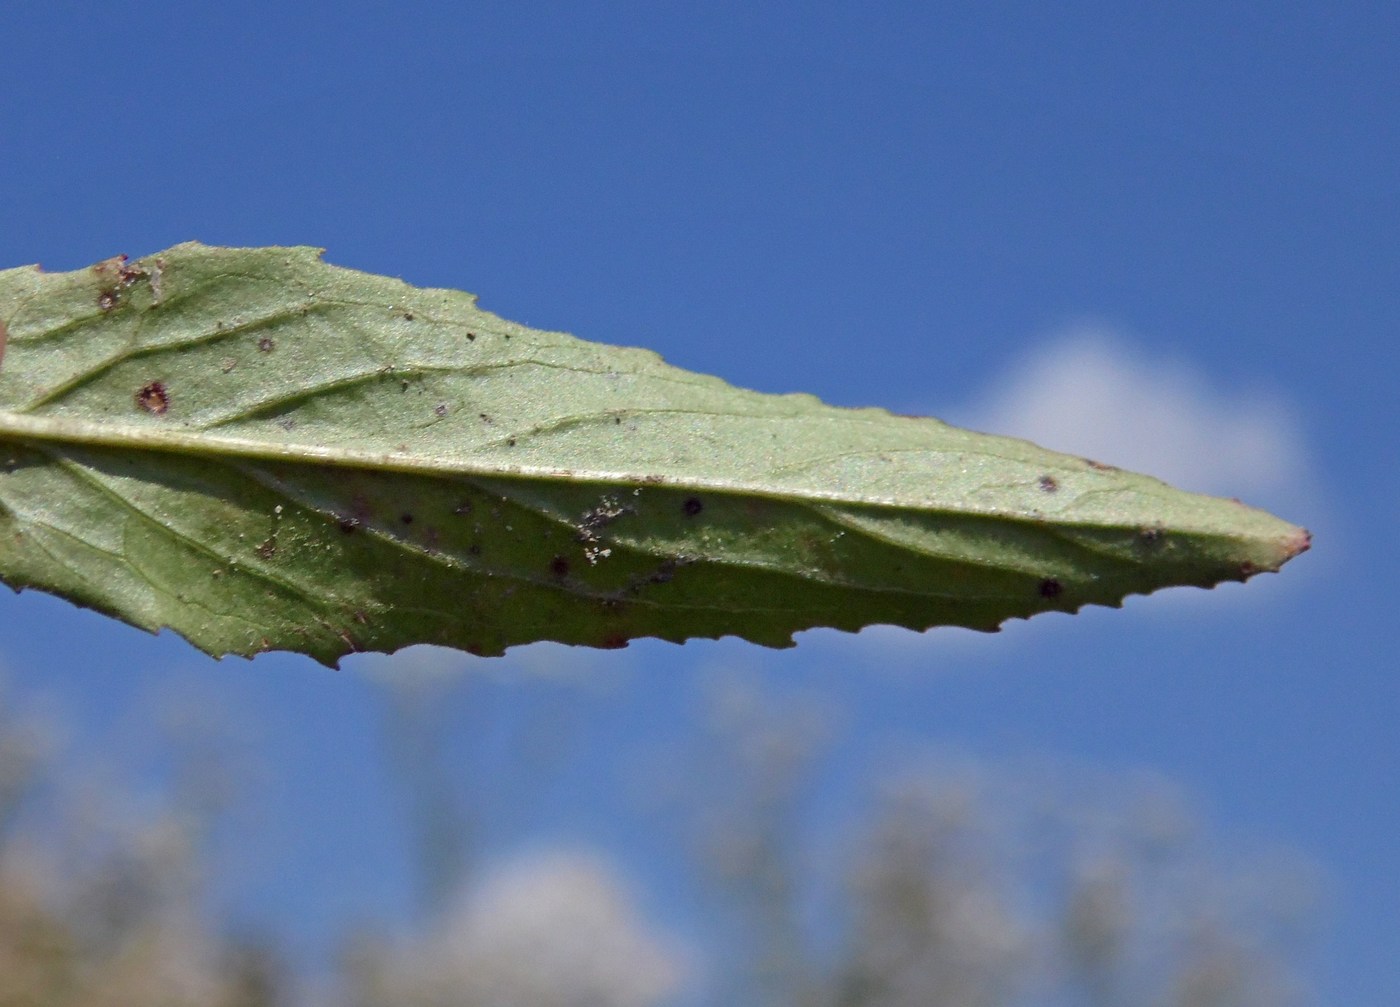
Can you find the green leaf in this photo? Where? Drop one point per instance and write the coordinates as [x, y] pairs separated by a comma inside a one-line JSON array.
[[261, 451]]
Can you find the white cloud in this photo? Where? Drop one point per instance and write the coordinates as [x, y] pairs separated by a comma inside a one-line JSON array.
[[1088, 393]]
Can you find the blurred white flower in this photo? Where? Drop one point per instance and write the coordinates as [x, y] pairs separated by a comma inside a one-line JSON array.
[[556, 930]]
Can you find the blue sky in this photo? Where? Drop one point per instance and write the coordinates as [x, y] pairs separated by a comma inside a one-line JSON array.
[[1163, 236]]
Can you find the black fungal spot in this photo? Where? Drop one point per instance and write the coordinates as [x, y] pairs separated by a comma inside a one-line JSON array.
[[408, 316], [406, 517], [266, 345], [1048, 484], [617, 421], [1150, 536], [559, 566], [507, 335], [692, 506], [348, 525], [471, 337], [440, 409], [153, 398], [107, 300], [511, 442], [485, 418], [1050, 588]]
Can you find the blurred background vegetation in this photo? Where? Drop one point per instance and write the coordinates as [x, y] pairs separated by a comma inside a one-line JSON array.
[[946, 880]]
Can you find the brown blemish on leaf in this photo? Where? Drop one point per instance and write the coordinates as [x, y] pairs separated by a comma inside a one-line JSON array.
[[1100, 466], [267, 549], [1150, 536], [440, 409], [1050, 588], [406, 517], [1048, 484], [692, 506], [107, 300], [559, 566], [266, 344], [510, 442], [613, 641], [471, 337], [348, 525], [1299, 542], [153, 398]]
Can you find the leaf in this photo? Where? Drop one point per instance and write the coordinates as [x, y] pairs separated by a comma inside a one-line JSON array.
[[262, 451]]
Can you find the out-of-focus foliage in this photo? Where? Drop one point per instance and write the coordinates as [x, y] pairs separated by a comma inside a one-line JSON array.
[[959, 884], [96, 912]]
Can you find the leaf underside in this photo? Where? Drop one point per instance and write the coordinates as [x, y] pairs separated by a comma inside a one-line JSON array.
[[264, 452]]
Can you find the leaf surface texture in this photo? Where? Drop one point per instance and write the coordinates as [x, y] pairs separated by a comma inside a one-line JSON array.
[[262, 451]]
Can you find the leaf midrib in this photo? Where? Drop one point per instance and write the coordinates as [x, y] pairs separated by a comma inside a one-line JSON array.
[[50, 430]]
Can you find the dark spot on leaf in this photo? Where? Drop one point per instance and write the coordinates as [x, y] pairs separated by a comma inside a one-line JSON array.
[[1100, 466], [511, 442], [484, 417], [613, 641], [268, 549], [1050, 588], [1048, 484], [107, 300], [1150, 536], [1248, 569], [559, 566], [153, 398], [266, 345], [507, 335], [348, 525], [406, 517], [463, 509], [617, 421], [474, 549], [440, 409], [692, 506], [408, 316], [288, 424]]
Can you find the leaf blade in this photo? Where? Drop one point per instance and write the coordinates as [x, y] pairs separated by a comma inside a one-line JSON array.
[[263, 451]]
